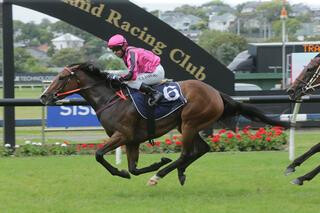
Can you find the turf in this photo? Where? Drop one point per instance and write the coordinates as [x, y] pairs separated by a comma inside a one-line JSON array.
[[218, 182]]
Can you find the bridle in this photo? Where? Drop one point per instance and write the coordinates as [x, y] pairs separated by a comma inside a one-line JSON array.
[[309, 85], [68, 78], [119, 95]]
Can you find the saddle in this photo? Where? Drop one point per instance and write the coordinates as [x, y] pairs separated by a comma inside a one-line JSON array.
[[173, 99]]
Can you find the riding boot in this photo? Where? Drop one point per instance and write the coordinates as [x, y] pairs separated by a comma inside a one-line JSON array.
[[155, 94]]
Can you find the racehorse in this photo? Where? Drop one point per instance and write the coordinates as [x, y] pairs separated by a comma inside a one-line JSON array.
[[124, 126], [306, 82]]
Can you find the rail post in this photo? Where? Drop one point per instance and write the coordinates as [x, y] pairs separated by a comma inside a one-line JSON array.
[[292, 130]]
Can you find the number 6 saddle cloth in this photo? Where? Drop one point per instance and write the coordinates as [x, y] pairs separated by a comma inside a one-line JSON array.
[[172, 100]]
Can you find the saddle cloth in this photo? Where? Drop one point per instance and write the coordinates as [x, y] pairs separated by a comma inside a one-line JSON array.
[[173, 99]]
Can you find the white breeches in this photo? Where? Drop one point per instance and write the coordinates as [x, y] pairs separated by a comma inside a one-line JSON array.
[[148, 78]]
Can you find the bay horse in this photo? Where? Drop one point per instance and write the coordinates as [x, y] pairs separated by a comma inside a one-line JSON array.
[[306, 82], [124, 126]]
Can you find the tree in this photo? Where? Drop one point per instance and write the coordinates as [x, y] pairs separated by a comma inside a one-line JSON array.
[[63, 27], [271, 9], [67, 56], [31, 34], [268, 12], [313, 38], [223, 46], [239, 15], [112, 64], [28, 34], [193, 10], [25, 62], [292, 25], [94, 48], [226, 53]]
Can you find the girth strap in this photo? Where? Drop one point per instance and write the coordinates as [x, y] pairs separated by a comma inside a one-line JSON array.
[[151, 123]]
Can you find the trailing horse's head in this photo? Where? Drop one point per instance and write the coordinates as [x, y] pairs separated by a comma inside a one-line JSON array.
[[307, 81], [72, 79]]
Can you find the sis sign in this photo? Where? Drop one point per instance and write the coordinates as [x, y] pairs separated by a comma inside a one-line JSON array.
[[71, 116]]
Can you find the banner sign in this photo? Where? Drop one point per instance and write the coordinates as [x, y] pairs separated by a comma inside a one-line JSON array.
[[181, 57], [32, 78], [71, 116]]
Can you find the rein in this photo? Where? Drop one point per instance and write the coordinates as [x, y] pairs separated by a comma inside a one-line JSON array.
[[79, 89], [114, 99], [314, 77]]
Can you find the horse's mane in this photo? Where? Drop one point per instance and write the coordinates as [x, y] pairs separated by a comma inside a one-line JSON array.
[[314, 64], [89, 68]]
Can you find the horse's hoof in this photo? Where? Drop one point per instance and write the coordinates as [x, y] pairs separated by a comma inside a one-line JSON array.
[[289, 170], [152, 183], [125, 174], [297, 181], [153, 180], [182, 179], [165, 160]]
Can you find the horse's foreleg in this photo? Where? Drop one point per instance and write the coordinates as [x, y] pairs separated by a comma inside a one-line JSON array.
[[133, 157], [309, 176], [116, 140], [298, 161]]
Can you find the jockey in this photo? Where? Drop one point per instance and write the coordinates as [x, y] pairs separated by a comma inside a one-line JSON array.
[[144, 67]]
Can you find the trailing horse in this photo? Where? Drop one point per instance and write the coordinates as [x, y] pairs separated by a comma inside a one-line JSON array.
[[125, 126], [306, 82]]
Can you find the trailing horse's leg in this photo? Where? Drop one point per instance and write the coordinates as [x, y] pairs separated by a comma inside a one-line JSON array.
[[309, 176], [116, 140], [187, 148], [298, 161], [200, 148], [133, 157]]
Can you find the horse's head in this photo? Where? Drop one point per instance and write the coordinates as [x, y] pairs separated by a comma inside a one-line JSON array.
[[307, 81], [70, 80]]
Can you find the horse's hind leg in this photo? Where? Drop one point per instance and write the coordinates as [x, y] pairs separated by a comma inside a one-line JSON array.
[[188, 135], [133, 157], [309, 176], [200, 148], [298, 161]]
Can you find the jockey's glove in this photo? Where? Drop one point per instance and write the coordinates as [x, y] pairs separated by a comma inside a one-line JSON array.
[[127, 77], [115, 78]]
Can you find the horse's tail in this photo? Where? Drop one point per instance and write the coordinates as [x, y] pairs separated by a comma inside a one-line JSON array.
[[234, 108]]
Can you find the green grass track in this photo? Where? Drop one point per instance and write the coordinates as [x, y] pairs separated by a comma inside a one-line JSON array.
[[218, 182]]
